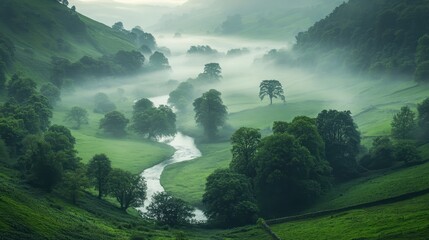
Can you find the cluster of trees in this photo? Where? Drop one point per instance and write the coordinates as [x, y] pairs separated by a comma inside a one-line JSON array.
[[202, 50], [408, 130], [282, 173], [383, 37], [121, 63], [151, 121], [181, 98], [236, 52]]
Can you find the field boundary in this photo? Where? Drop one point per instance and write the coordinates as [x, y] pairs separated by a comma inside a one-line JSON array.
[[354, 207]]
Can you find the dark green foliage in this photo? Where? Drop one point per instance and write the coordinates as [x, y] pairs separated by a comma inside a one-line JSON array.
[[237, 52], [62, 142], [21, 89], [404, 124], [158, 61], [153, 122], [4, 153], [244, 144], [422, 72], [99, 168], [381, 154], [128, 189], [380, 36], [212, 73], [145, 50], [210, 112], [305, 131], [2, 77], [43, 110], [423, 118], [168, 210], [103, 104], [130, 61], [407, 152], [284, 181], [202, 50], [7, 51], [280, 127], [342, 141], [272, 89], [181, 98], [12, 132], [229, 199], [114, 123], [77, 116], [51, 92], [40, 164], [74, 182]]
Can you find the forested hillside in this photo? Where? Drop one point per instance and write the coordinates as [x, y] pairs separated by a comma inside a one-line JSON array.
[[384, 37], [32, 32]]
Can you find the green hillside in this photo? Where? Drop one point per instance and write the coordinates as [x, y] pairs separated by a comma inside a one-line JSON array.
[[382, 37], [42, 29]]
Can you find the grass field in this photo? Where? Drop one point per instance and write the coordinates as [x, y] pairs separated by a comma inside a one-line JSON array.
[[401, 220]]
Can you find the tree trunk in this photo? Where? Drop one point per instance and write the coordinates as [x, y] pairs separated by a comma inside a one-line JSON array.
[[271, 100]]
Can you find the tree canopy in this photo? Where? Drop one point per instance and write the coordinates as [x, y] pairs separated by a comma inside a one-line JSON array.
[[272, 89], [403, 124], [210, 112], [128, 189], [99, 168], [114, 123], [244, 144], [168, 210]]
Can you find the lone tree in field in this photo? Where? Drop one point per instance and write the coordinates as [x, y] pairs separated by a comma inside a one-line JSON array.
[[272, 89], [210, 112], [128, 189], [403, 123], [244, 144], [77, 116], [166, 209], [423, 118], [99, 168]]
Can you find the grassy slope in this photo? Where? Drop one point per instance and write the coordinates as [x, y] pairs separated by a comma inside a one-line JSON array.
[[35, 47], [402, 220]]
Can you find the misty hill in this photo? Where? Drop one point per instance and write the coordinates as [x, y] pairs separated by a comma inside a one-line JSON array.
[[39, 30], [377, 36], [275, 19]]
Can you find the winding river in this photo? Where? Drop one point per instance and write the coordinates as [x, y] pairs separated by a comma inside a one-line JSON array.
[[185, 150]]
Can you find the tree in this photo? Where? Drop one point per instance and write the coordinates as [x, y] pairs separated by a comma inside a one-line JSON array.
[[381, 154], [21, 89], [128, 189], [12, 132], [280, 127], [403, 124], [98, 171], [168, 210], [74, 182], [62, 143], [229, 199], [154, 122], [407, 152], [158, 61], [77, 116], [210, 112], [284, 182], [130, 61], [41, 165], [51, 92], [114, 123], [2, 76], [181, 98], [272, 89], [118, 26], [423, 118], [212, 73], [43, 110], [244, 144], [342, 142]]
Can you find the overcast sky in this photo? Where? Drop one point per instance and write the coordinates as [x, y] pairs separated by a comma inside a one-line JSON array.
[[149, 2]]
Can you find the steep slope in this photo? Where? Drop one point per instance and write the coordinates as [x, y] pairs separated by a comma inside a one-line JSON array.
[[42, 29], [382, 36], [275, 19]]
